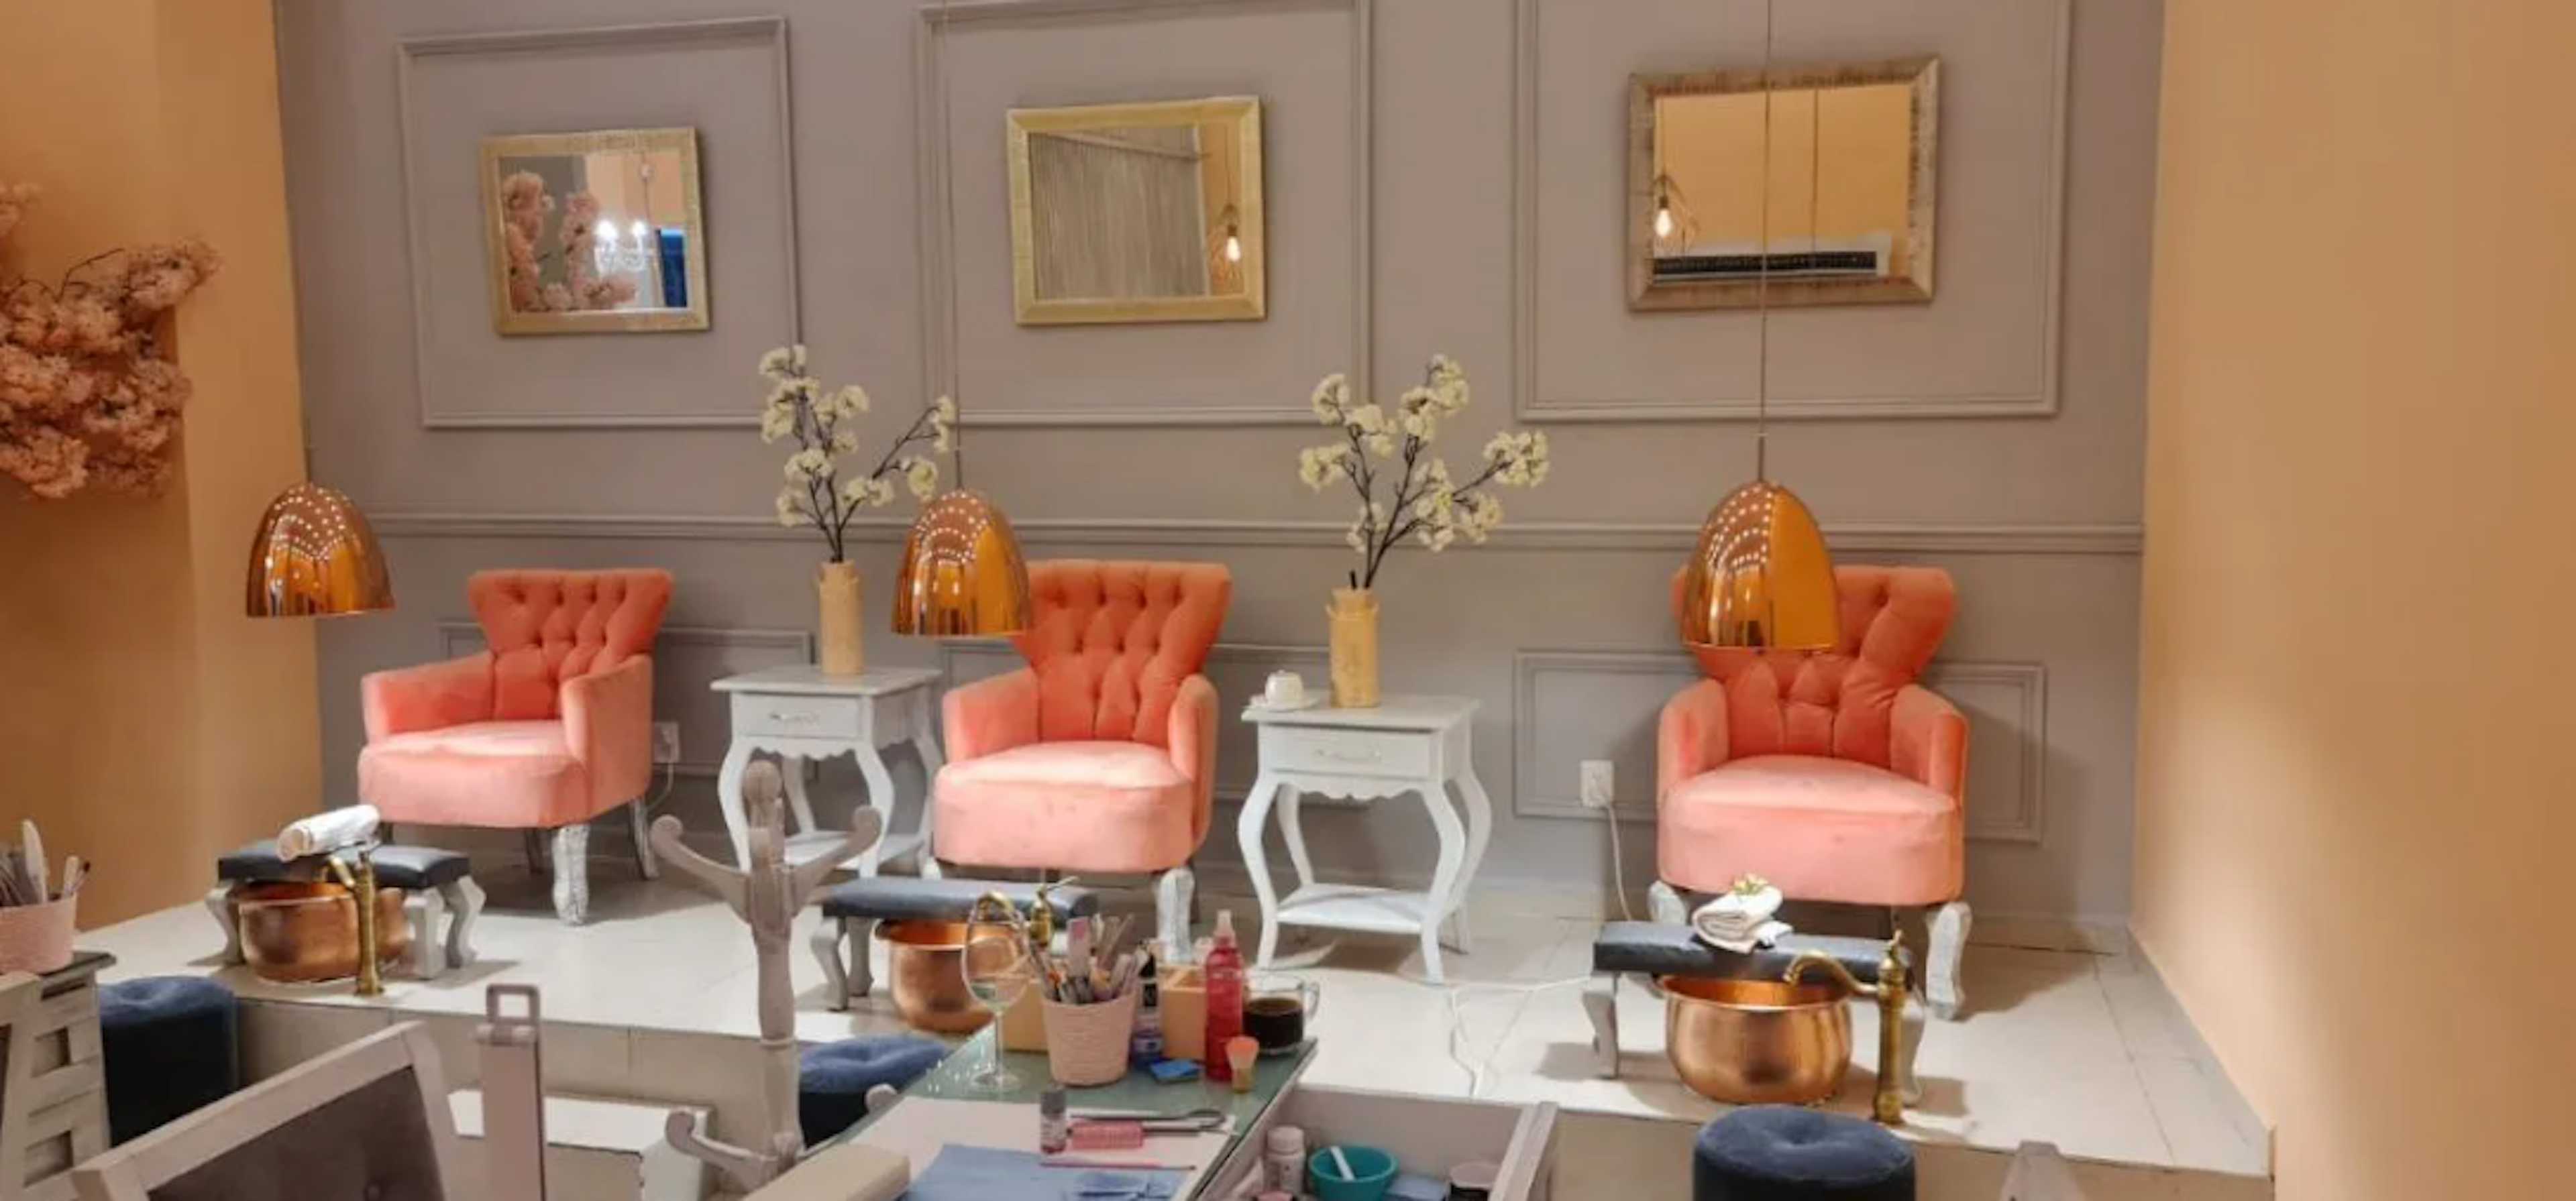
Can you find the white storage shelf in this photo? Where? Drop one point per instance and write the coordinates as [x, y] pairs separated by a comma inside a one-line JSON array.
[[1427, 1135]]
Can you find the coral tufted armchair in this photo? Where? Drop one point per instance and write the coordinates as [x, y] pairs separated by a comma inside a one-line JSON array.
[[1098, 757], [1832, 774], [546, 728]]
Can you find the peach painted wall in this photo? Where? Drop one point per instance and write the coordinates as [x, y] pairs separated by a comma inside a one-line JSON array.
[[144, 722], [2356, 803]]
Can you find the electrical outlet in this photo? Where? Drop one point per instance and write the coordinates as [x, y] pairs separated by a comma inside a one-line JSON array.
[[666, 742], [1599, 784]]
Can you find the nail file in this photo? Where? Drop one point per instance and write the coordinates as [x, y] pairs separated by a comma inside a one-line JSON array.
[[34, 845], [1109, 1135]]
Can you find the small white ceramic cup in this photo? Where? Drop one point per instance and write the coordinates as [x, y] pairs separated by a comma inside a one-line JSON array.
[[1284, 689]]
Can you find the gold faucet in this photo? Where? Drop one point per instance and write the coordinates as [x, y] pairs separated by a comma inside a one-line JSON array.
[[362, 886], [1887, 1106]]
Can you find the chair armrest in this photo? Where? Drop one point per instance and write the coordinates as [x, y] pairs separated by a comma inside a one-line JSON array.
[[1691, 736], [1929, 742], [1193, 744], [608, 723], [432, 696], [991, 715]]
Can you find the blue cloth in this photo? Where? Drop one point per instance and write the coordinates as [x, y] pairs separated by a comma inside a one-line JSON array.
[[170, 1046], [985, 1174], [833, 1079], [1788, 1153]]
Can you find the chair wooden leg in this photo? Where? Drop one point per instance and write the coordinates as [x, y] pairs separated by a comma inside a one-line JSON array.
[[1601, 1001], [1942, 990], [826, 945], [645, 861], [464, 904], [424, 908], [532, 844], [220, 903], [572, 873], [1174, 895], [1665, 905]]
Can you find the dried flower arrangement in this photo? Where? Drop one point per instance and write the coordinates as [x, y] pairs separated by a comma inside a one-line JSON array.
[[824, 424], [1423, 502], [524, 205], [88, 394]]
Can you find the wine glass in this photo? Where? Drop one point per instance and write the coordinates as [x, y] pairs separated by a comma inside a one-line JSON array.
[[998, 971]]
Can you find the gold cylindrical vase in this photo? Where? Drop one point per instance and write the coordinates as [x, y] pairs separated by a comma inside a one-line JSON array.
[[836, 595], [1353, 620]]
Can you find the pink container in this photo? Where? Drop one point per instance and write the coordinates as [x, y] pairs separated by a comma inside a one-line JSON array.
[[37, 938], [1087, 1044]]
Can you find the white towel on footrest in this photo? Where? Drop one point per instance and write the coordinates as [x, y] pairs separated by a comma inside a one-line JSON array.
[[328, 831], [1740, 922]]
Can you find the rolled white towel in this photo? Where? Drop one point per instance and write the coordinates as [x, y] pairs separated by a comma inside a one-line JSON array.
[[328, 831], [1740, 921]]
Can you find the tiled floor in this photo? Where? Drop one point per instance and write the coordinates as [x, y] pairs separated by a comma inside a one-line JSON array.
[[2084, 1051]]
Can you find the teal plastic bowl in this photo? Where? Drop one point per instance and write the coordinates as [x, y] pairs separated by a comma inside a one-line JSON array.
[[1372, 1170]]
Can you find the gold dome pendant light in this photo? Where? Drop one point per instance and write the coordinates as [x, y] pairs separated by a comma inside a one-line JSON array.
[[962, 574], [1760, 577], [315, 556]]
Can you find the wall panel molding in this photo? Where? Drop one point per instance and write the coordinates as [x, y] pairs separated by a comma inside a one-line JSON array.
[[411, 51], [2018, 818], [460, 636], [938, 216], [1866, 537], [2041, 400]]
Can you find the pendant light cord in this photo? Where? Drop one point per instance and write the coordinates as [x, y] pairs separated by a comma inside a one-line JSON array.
[[948, 237], [1762, 268]]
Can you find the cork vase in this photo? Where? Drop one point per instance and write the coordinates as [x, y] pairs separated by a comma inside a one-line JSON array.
[[836, 596], [1352, 618]]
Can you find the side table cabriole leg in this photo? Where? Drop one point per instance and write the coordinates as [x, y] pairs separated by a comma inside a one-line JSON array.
[[872, 766], [464, 904], [423, 907], [1601, 1001], [825, 943], [737, 760], [1480, 832], [220, 903], [1250, 831], [1444, 878], [792, 769]]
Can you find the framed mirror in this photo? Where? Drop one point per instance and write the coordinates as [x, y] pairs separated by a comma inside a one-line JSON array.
[[595, 232], [1835, 198], [1137, 212]]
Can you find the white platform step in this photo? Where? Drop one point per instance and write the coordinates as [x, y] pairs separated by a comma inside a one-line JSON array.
[[597, 1149]]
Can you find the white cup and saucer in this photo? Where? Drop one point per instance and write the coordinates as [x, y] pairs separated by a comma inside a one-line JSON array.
[[1284, 691]]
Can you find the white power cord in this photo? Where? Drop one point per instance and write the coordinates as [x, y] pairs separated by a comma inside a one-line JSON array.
[[1618, 866]]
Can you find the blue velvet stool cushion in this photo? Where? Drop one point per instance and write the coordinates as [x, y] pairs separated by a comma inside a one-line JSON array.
[[833, 1079], [169, 1049], [1786, 1153]]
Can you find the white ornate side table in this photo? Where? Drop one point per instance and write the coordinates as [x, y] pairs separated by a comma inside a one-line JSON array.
[[801, 715], [1414, 744]]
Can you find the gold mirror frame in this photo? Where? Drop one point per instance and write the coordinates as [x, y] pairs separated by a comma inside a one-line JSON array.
[[507, 320], [1251, 304], [1645, 292]]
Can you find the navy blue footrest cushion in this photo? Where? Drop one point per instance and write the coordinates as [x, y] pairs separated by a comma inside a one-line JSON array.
[[409, 868], [901, 898], [833, 1079], [1788, 1153], [169, 1046]]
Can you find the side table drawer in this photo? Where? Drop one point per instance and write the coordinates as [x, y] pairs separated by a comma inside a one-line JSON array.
[[796, 716], [1427, 1135], [1346, 752]]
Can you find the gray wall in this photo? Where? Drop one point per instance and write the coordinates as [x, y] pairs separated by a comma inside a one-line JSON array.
[[1444, 175]]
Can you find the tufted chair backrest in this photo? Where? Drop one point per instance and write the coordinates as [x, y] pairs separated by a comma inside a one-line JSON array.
[[545, 627], [1112, 641], [1836, 704]]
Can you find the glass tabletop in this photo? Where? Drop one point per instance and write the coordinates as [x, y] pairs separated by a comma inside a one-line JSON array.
[[1139, 1091]]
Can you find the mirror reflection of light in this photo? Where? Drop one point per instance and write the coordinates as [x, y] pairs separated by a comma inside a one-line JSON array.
[[607, 235], [1233, 248], [1663, 221], [639, 231]]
